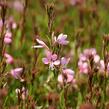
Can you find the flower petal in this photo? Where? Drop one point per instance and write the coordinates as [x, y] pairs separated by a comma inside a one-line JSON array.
[[57, 62], [62, 37], [45, 60], [54, 57], [64, 61], [96, 58], [7, 40], [37, 46], [42, 43], [9, 58], [68, 71], [16, 72], [69, 78], [60, 78], [8, 34], [48, 54]]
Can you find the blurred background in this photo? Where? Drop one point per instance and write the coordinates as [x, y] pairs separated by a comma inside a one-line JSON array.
[[84, 21]]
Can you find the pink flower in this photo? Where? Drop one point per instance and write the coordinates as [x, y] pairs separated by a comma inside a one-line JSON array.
[[75, 2], [108, 67], [8, 37], [9, 58], [64, 62], [70, 74], [7, 40], [96, 58], [67, 76], [83, 67], [18, 5], [23, 92], [51, 59], [84, 59], [16, 73], [102, 66], [60, 78], [1, 24], [61, 39], [10, 23], [89, 52]]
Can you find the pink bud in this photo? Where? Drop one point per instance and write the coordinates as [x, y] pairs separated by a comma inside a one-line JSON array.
[[24, 93], [102, 66], [70, 75], [83, 67], [14, 25], [7, 38], [108, 67], [42, 43], [9, 58], [60, 78], [8, 34], [16, 73], [18, 5], [96, 58]]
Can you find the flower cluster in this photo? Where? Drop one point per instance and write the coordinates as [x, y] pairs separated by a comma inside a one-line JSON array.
[[51, 59], [84, 61], [66, 75], [84, 58], [10, 25]]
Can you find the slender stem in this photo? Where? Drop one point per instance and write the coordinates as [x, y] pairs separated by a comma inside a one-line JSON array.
[[65, 96], [24, 20], [104, 53]]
